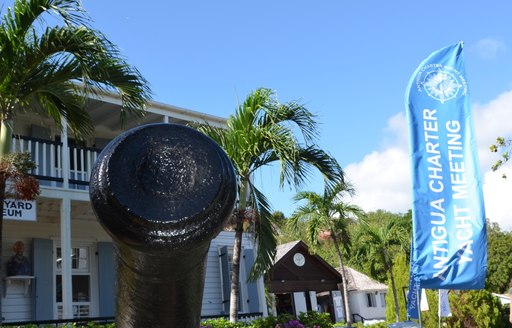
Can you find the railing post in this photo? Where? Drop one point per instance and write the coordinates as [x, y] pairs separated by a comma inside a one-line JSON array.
[[162, 192]]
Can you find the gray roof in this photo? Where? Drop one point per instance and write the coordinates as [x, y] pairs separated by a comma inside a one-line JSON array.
[[361, 282], [282, 250]]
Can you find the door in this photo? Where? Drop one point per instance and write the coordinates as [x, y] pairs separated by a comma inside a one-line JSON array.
[[81, 281]]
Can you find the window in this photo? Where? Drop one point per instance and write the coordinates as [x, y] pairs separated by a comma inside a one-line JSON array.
[[80, 282], [382, 299], [372, 302], [226, 257]]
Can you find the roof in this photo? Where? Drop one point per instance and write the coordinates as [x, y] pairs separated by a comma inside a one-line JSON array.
[[291, 275], [282, 250], [358, 281]]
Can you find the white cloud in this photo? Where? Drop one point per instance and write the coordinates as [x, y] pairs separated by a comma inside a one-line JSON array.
[[488, 48], [383, 178]]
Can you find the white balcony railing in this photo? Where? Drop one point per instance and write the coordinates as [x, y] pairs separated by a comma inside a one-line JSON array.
[[48, 156]]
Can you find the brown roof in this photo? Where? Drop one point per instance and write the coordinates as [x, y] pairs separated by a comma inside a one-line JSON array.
[[361, 282]]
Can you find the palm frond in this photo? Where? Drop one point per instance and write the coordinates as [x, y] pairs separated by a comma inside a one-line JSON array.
[[266, 235], [19, 21], [312, 157], [61, 100], [41, 64]]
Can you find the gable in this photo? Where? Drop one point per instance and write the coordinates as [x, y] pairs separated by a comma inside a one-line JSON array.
[[306, 273]]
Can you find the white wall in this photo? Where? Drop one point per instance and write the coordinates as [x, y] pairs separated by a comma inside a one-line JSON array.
[[212, 296], [359, 305], [16, 305]]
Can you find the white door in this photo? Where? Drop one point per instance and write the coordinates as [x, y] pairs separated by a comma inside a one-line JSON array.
[[81, 281]]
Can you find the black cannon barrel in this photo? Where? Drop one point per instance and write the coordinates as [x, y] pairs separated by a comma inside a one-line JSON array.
[[162, 192]]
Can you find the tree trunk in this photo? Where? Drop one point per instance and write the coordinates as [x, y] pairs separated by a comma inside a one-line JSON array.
[[237, 250], [235, 268], [393, 288], [348, 316], [5, 136]]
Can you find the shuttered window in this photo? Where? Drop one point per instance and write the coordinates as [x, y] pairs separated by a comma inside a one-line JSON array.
[[382, 299], [248, 289]]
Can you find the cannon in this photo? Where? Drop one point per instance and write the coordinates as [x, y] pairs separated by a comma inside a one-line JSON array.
[[162, 192]]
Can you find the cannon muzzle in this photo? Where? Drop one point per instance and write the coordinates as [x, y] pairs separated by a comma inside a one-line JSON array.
[[162, 192]]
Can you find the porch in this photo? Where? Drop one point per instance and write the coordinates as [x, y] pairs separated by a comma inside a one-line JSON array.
[[64, 218], [59, 165]]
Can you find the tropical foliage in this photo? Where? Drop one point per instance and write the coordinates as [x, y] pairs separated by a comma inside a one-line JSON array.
[[473, 308], [499, 259], [377, 245], [476, 308], [54, 69], [504, 148], [329, 217], [401, 276], [498, 275], [263, 131], [378, 220], [305, 319]]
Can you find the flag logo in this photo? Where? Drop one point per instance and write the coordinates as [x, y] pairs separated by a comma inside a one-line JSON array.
[[441, 82]]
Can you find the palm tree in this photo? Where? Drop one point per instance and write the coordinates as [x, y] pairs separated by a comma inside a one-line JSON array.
[[58, 67], [54, 69], [376, 244], [263, 131], [328, 217]]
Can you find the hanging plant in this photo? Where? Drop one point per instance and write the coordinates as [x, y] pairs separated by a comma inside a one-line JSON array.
[[15, 171]]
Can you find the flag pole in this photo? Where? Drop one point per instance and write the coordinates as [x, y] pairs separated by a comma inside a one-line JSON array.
[[418, 299], [439, 306]]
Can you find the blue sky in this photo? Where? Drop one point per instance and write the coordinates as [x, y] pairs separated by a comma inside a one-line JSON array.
[[349, 62]]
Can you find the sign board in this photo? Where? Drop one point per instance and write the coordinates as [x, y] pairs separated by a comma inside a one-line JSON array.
[[20, 210]]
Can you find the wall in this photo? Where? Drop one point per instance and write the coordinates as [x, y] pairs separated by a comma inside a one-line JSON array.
[[212, 296], [359, 305], [16, 306]]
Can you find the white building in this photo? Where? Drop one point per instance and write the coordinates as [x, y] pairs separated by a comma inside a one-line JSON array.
[[367, 297], [62, 219]]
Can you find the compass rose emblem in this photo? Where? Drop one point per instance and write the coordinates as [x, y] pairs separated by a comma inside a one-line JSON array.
[[441, 85]]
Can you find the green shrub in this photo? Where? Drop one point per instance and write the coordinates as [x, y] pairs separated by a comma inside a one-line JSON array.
[[272, 321], [378, 325], [222, 323], [69, 325], [475, 308], [505, 316], [315, 319]]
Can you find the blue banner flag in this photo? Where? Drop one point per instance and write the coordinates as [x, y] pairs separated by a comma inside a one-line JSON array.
[[413, 300], [449, 248]]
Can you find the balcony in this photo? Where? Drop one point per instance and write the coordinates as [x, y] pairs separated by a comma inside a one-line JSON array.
[[49, 158]]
